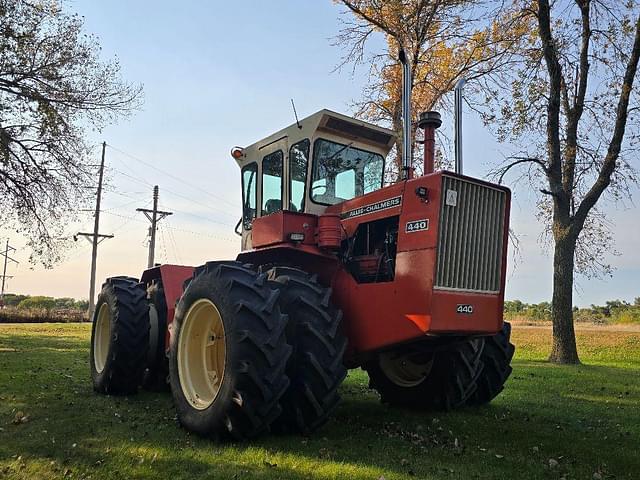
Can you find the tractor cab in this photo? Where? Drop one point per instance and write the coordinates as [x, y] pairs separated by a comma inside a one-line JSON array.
[[322, 160]]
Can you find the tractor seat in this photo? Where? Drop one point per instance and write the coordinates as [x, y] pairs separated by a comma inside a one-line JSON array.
[[272, 206]]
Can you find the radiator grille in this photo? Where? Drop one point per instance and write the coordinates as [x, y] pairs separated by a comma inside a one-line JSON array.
[[470, 237]]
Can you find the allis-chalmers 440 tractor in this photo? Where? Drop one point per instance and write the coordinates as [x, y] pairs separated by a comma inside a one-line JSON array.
[[337, 271]]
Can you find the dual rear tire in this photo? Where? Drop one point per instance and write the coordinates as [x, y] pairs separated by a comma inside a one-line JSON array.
[[467, 372], [119, 337], [228, 352], [255, 351]]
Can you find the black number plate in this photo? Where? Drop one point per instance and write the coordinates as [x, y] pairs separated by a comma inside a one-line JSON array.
[[417, 225]]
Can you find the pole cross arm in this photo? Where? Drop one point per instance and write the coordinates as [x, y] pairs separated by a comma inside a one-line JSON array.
[[149, 214], [9, 258], [90, 236]]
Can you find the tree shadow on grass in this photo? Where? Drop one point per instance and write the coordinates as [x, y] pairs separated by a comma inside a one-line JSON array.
[[71, 428]]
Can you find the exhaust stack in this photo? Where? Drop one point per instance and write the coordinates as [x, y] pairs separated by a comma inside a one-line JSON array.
[[458, 123], [429, 121], [406, 116]]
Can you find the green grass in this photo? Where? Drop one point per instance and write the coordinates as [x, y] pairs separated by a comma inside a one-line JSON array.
[[586, 418]]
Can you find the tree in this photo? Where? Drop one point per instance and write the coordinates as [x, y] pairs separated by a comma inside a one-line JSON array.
[[572, 106], [53, 88], [47, 303], [444, 40], [12, 300], [65, 302]]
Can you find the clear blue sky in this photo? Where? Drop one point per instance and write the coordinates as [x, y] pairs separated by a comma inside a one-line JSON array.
[[218, 74]]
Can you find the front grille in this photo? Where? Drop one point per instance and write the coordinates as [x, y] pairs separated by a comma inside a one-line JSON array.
[[470, 237]]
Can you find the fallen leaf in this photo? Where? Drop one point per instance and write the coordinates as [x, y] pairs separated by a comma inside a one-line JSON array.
[[499, 456], [20, 417]]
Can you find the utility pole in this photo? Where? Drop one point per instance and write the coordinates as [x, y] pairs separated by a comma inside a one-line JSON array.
[[95, 238], [154, 216], [8, 248]]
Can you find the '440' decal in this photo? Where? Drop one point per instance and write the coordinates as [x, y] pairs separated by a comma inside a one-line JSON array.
[[417, 225], [463, 308]]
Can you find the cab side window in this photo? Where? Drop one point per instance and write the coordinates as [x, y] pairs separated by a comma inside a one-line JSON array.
[[249, 194], [298, 158], [272, 182]]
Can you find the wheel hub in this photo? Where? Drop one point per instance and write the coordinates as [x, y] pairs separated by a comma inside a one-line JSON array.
[[102, 337], [404, 371], [201, 354]]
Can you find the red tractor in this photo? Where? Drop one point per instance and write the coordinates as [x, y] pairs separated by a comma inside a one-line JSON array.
[[337, 271]]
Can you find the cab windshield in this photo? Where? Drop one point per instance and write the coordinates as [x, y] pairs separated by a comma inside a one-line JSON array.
[[342, 172]]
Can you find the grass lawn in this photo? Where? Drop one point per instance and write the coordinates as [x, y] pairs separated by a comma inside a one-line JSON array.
[[551, 422]]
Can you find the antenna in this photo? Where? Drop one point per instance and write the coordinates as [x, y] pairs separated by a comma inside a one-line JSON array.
[[296, 114]]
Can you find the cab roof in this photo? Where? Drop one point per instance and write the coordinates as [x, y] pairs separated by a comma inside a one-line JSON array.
[[333, 123]]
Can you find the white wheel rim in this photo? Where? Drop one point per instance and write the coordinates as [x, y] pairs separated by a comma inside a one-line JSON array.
[[201, 354], [403, 371], [102, 337]]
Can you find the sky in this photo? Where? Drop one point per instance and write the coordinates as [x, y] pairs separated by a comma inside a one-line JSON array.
[[218, 74]]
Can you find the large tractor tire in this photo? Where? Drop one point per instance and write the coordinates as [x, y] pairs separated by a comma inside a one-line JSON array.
[[315, 368], [119, 336], [440, 380], [228, 352], [156, 373], [496, 358]]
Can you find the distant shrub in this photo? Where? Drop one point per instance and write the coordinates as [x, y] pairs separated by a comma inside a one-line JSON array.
[[41, 315], [613, 311], [628, 315], [588, 315], [38, 302]]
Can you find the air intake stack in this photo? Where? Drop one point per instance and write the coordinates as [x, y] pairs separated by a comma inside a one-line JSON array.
[[406, 117], [429, 121]]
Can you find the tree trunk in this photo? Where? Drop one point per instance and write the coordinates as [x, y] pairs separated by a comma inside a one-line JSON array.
[[564, 348]]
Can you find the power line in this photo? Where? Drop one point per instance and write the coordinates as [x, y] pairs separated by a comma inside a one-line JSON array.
[[204, 218], [209, 235], [199, 203], [195, 202], [172, 239], [132, 219], [118, 207], [150, 165], [163, 245], [131, 177]]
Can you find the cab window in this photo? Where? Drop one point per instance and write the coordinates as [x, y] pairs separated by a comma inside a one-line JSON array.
[[298, 158], [272, 183], [249, 194], [341, 172]]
